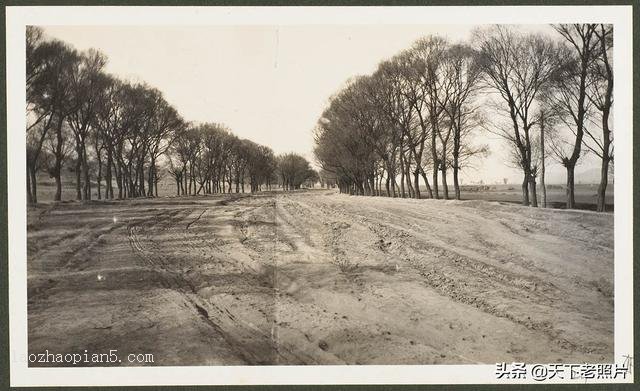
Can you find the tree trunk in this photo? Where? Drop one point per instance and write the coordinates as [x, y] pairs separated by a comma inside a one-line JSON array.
[[394, 185], [85, 174], [571, 200], [402, 171], [58, 195], [388, 185], [151, 173], [29, 195], [58, 163], [435, 180], [543, 185], [185, 174], [391, 173], [434, 157], [376, 185], [532, 189], [34, 185], [109, 173], [456, 155], [99, 178], [409, 186], [119, 180], [426, 183], [445, 187], [140, 174], [602, 187], [372, 184], [78, 171], [456, 183], [606, 158], [525, 189]]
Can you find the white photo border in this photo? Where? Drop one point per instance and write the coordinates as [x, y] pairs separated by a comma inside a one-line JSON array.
[[17, 17]]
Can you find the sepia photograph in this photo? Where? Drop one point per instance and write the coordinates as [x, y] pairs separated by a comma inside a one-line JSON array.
[[265, 188]]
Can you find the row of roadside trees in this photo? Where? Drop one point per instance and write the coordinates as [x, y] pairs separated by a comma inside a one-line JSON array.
[[122, 136], [420, 117]]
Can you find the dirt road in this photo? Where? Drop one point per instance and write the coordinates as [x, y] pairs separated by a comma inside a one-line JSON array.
[[321, 278]]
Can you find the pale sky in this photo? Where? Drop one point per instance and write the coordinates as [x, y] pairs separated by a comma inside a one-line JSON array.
[[267, 83]]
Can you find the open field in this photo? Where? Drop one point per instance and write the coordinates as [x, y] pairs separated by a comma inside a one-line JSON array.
[[314, 277], [586, 195], [47, 188]]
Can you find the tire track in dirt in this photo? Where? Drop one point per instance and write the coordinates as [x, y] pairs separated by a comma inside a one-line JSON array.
[[386, 231], [311, 277], [254, 345], [500, 226], [471, 281], [76, 250], [177, 282], [289, 241], [262, 230]]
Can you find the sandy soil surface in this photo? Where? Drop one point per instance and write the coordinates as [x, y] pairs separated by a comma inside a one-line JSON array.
[[321, 278]]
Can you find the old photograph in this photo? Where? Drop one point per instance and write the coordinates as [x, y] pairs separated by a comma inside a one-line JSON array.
[[322, 194]]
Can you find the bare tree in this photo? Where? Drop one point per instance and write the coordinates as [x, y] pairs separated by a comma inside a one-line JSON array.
[[427, 54], [395, 126], [59, 75], [108, 132], [85, 84], [542, 123], [416, 109], [294, 170], [600, 94], [39, 110], [166, 123], [351, 136], [570, 89], [517, 67], [207, 158], [48, 67], [462, 74], [73, 105]]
